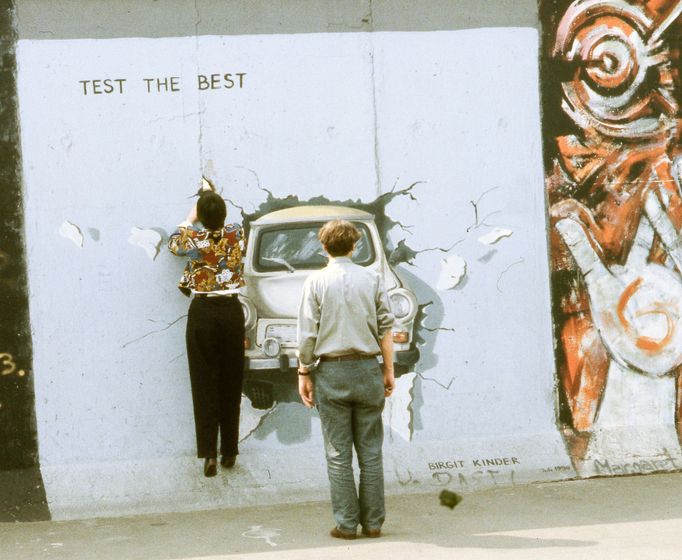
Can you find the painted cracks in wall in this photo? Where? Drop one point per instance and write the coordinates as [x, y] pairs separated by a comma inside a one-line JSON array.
[[168, 325], [454, 267], [377, 207], [251, 419], [399, 412], [454, 275], [402, 413], [404, 410], [149, 240], [499, 279]]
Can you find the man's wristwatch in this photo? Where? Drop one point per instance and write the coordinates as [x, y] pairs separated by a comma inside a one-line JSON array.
[[304, 373]]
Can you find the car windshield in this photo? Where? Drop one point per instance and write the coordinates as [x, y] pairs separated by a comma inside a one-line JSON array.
[[297, 246]]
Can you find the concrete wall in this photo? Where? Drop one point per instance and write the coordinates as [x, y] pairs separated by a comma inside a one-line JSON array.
[[613, 184], [22, 496], [430, 111]]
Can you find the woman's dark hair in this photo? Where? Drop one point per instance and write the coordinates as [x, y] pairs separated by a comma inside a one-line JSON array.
[[211, 210], [338, 237]]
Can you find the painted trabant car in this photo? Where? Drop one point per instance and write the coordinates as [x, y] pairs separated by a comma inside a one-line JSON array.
[[282, 251]]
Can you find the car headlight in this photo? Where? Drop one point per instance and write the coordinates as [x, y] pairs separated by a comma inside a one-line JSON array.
[[250, 313], [271, 347], [403, 304]]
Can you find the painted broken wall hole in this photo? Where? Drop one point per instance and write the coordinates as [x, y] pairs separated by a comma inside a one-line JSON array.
[[404, 417], [400, 418], [454, 267], [427, 325], [377, 207]]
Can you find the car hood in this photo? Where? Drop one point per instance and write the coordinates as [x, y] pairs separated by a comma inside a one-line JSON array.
[[278, 294]]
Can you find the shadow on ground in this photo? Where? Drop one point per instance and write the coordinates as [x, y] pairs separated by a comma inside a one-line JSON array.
[[475, 523]]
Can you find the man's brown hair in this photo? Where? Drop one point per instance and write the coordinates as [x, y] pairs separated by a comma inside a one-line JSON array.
[[338, 237]]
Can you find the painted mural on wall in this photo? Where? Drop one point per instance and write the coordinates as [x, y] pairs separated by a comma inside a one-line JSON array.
[[612, 136], [283, 251], [115, 147]]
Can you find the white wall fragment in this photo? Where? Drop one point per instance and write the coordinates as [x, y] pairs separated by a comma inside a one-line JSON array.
[[494, 236], [397, 413], [147, 239], [453, 269], [72, 232]]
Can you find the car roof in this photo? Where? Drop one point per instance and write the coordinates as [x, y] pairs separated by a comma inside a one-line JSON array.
[[313, 213]]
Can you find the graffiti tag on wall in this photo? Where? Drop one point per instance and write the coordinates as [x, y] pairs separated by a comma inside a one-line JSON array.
[[8, 366], [162, 84]]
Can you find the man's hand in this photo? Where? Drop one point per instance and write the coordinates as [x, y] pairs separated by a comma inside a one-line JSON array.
[[305, 389], [387, 356], [389, 381]]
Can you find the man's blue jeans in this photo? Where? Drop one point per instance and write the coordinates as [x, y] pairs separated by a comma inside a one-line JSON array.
[[350, 398]]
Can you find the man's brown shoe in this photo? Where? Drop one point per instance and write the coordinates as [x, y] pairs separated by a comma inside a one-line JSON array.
[[371, 533], [210, 467], [228, 461], [339, 534]]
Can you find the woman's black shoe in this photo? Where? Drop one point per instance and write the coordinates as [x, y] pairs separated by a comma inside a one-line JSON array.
[[210, 467], [228, 461]]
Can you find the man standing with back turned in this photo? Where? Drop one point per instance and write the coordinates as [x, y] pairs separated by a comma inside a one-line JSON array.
[[345, 321]]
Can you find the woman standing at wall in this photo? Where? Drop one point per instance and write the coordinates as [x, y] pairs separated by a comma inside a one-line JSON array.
[[215, 324]]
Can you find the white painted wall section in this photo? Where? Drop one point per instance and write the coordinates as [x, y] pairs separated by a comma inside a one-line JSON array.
[[347, 116]]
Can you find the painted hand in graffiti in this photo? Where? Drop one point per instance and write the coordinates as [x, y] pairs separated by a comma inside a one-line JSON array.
[[635, 307]]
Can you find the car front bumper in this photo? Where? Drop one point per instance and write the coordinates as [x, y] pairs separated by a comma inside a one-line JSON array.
[[285, 362]]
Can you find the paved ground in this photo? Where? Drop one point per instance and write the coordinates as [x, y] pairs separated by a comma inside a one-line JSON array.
[[638, 518]]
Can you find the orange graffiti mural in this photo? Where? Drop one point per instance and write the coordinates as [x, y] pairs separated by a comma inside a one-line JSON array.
[[615, 199], [645, 342]]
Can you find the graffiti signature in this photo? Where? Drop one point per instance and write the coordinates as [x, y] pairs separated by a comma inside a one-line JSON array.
[[9, 366]]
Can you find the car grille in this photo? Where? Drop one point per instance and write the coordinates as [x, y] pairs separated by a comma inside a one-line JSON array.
[[285, 333]]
